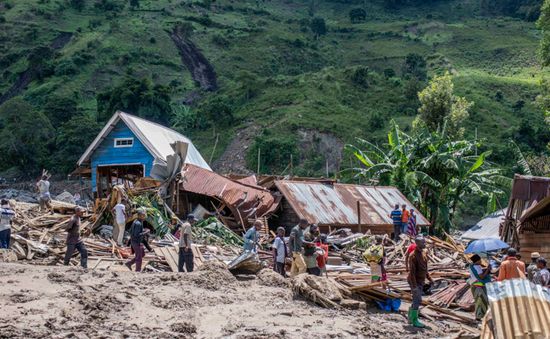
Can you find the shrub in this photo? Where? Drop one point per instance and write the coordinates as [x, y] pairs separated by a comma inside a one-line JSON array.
[[275, 152], [389, 73], [357, 15], [360, 76]]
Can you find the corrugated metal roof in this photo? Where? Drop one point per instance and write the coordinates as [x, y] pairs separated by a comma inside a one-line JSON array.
[[245, 201], [156, 138], [336, 204], [520, 309], [486, 228]]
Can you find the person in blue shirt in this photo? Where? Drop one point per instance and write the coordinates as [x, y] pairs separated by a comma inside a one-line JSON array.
[[396, 216], [252, 236]]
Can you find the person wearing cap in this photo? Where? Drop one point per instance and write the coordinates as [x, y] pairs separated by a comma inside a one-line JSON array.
[[185, 251], [6, 216], [418, 273], [479, 277], [73, 239], [532, 269], [252, 236], [511, 268], [136, 240], [296, 243], [542, 277]]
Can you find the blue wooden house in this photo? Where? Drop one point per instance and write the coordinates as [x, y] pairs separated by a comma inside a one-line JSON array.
[[128, 147]]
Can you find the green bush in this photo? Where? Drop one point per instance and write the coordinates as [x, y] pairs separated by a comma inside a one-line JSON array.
[[275, 152]]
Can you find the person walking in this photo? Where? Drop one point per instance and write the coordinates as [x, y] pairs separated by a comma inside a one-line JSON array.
[[418, 273], [6, 216], [479, 277], [44, 197], [542, 277], [252, 236], [396, 215], [296, 243], [74, 241], [185, 250], [136, 240], [532, 269], [511, 268], [119, 211], [280, 252]]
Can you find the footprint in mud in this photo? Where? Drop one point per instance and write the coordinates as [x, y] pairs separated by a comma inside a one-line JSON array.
[[23, 296], [63, 277], [183, 328]]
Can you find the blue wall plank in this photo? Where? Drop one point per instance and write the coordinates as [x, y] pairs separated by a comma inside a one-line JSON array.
[[108, 154]]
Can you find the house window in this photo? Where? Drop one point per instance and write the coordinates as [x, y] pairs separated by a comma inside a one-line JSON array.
[[124, 142]]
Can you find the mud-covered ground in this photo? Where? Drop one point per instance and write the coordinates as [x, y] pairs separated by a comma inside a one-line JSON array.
[[62, 302]]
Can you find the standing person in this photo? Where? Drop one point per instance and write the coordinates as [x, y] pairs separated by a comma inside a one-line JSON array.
[[511, 268], [418, 273], [411, 230], [479, 277], [542, 277], [323, 259], [280, 252], [6, 216], [312, 266], [410, 249], [532, 269], [296, 243], [396, 215], [186, 252], [136, 240], [119, 211], [404, 219], [74, 241], [374, 256], [252, 236], [44, 197]]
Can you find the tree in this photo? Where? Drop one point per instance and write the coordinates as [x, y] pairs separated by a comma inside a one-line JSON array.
[[435, 171], [357, 15], [544, 25], [219, 110], [438, 105], [77, 4], [73, 138], [60, 109], [140, 97], [318, 27], [25, 134], [414, 66], [134, 4]]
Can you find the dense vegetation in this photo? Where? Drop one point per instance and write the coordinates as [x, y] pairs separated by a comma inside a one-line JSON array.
[[282, 68]]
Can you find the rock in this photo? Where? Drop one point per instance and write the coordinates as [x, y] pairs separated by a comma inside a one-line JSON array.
[[19, 195], [352, 304], [66, 197]]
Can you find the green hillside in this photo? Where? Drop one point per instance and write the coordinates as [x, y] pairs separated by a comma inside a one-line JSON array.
[[286, 86]]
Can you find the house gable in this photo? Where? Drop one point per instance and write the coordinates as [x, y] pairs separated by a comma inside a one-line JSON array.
[[107, 154]]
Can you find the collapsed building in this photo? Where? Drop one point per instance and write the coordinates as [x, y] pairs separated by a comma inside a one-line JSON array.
[[130, 148]]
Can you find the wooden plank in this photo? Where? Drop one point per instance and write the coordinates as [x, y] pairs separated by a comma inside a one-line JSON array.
[[164, 252]]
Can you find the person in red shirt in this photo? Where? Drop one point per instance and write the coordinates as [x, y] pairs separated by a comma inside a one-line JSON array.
[[322, 259], [410, 249]]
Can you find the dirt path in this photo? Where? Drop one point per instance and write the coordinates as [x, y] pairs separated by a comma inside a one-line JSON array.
[[28, 75], [191, 56], [48, 301]]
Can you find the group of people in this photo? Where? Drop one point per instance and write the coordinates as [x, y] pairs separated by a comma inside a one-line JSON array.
[[404, 221], [306, 251]]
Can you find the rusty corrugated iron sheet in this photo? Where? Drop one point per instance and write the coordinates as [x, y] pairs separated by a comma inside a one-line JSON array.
[[520, 309], [244, 201], [530, 188], [336, 204]]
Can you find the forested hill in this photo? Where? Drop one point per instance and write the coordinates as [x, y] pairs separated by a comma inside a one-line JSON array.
[[298, 77]]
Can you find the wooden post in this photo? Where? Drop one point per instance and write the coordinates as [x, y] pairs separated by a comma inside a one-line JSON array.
[[258, 171], [359, 216], [291, 166]]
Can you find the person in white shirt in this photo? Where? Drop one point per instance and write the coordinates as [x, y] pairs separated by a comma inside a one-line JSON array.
[[44, 197], [119, 212], [6, 216], [280, 252]]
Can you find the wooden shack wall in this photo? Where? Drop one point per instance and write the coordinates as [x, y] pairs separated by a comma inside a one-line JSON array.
[[534, 242]]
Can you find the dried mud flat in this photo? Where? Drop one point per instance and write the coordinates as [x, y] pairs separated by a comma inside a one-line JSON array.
[[62, 302]]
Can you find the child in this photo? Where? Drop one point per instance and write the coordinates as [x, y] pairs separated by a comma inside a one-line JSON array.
[[322, 259], [280, 252]]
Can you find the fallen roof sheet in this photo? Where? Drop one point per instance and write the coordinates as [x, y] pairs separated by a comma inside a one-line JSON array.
[[485, 228], [244, 201], [336, 204], [156, 138], [520, 309]]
